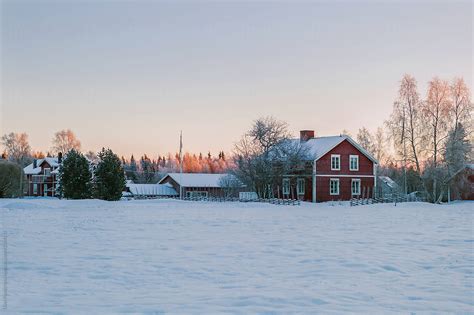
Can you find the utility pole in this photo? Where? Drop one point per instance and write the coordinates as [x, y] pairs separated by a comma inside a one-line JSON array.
[[181, 165]]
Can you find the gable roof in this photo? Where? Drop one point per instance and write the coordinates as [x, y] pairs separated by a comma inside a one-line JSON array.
[[320, 146], [196, 179], [29, 170], [389, 182], [151, 190]]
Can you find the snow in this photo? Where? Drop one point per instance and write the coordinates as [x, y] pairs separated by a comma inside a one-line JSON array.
[[196, 179], [390, 182], [317, 147], [30, 170], [154, 256]]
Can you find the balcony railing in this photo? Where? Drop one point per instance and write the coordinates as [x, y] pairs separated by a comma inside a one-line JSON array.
[[38, 179]]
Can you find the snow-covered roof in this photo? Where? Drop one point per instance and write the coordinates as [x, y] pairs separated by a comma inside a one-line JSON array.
[[317, 147], [388, 181], [196, 179], [30, 170], [151, 190]]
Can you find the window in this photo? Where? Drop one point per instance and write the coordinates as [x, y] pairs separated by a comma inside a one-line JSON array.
[[355, 187], [45, 189], [335, 162], [196, 194], [35, 189], [47, 171], [334, 186], [354, 162], [286, 186], [300, 186]]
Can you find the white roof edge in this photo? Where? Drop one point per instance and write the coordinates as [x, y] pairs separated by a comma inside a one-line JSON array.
[[354, 143]]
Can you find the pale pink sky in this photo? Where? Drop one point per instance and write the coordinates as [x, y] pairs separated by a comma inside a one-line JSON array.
[[131, 75]]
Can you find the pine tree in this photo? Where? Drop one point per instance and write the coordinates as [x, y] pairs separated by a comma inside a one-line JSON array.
[[75, 176], [109, 176]]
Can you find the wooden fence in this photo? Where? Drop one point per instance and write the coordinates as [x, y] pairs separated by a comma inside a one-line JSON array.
[[387, 199]]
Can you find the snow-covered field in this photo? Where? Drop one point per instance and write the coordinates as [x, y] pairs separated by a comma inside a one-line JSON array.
[[197, 257]]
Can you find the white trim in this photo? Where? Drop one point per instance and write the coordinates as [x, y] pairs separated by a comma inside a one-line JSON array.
[[353, 156], [355, 180], [338, 186], [284, 190], [343, 175], [300, 185], [354, 143], [338, 156]]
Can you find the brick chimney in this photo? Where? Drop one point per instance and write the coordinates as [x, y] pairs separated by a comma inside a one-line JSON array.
[[305, 135], [60, 157]]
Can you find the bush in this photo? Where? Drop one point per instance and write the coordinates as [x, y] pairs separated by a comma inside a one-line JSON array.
[[11, 178], [75, 176], [109, 176]]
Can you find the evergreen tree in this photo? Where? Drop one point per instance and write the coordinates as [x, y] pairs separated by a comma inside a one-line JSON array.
[[458, 149], [109, 176], [75, 176]]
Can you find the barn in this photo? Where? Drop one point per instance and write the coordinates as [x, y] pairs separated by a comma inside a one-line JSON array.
[[335, 168], [149, 190], [200, 185], [461, 184]]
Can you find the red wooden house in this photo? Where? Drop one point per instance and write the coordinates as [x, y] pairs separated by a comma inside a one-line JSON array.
[[41, 177], [337, 168]]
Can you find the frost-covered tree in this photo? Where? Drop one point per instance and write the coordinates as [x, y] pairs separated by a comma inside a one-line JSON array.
[[265, 154], [64, 141], [379, 145], [91, 156], [75, 177], [11, 181], [17, 148], [109, 179], [461, 105], [365, 139], [458, 149], [435, 110], [405, 123]]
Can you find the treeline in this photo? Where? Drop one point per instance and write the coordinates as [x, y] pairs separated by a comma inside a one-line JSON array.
[[147, 170]]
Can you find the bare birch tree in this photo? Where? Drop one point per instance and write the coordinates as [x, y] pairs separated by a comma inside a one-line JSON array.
[[461, 106], [365, 139], [436, 110], [405, 125], [64, 141], [17, 147]]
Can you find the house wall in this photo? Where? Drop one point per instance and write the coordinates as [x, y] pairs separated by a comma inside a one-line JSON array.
[[324, 174], [50, 182], [345, 149]]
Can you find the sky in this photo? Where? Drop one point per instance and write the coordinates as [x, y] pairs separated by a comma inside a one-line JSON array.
[[130, 75]]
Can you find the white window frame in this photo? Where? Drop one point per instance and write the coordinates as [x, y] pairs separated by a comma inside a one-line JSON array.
[[355, 180], [336, 180], [286, 186], [351, 157], [47, 171], [338, 157], [300, 186]]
